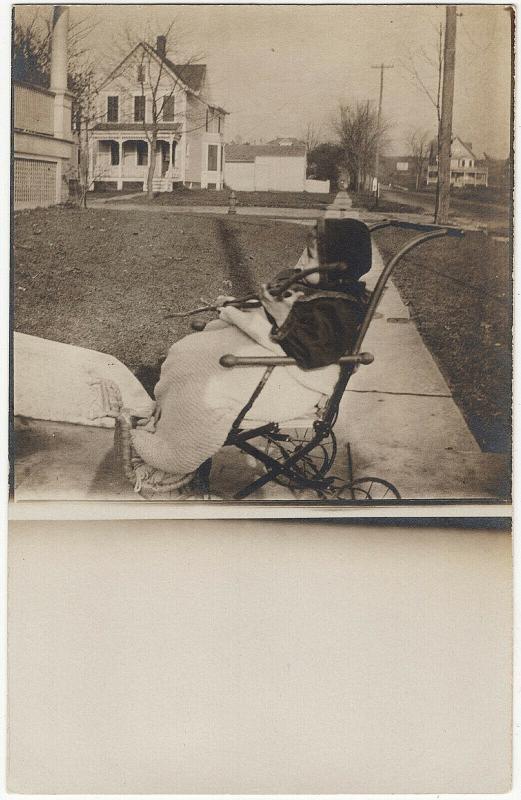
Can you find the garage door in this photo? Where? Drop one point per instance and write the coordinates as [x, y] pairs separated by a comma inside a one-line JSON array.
[[34, 182]]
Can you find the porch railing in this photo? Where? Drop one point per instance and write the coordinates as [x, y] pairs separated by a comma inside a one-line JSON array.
[[33, 109]]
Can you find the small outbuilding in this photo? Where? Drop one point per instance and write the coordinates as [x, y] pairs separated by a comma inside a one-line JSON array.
[[266, 167]]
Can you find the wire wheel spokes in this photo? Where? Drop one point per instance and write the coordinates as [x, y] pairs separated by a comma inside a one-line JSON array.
[[368, 489], [312, 465]]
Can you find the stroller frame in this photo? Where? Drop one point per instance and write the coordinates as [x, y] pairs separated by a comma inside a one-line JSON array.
[[295, 466]]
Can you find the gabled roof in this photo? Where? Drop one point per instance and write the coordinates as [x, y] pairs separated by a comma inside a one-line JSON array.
[[192, 75], [466, 145], [248, 152]]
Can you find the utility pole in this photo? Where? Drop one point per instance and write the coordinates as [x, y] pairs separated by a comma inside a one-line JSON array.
[[381, 67], [447, 102]]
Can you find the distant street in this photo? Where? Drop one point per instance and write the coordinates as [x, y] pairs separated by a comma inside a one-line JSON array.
[[491, 214]]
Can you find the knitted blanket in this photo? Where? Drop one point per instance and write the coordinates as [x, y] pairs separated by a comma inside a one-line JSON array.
[[198, 400]]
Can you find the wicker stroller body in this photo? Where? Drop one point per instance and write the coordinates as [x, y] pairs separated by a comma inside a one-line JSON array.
[[299, 453]]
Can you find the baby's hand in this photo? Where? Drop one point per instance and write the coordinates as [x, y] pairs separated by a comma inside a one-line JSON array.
[[278, 307], [223, 298]]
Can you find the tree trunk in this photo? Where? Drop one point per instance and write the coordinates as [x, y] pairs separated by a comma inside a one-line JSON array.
[[151, 165]]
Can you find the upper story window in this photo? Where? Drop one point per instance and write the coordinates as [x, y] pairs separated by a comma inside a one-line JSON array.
[[141, 74], [207, 118], [139, 108], [113, 109], [169, 108]]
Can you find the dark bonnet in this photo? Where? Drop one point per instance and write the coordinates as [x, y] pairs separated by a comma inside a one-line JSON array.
[[345, 240]]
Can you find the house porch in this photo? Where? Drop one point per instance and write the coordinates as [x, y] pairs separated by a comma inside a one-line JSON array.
[[125, 159]]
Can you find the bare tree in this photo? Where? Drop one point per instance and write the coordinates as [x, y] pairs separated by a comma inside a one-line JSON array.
[[425, 69], [419, 142], [312, 136], [86, 115], [357, 130], [159, 81]]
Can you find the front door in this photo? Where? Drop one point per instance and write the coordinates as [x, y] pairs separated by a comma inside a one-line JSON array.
[[162, 159]]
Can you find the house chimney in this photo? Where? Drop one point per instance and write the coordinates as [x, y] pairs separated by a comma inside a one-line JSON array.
[[161, 46]]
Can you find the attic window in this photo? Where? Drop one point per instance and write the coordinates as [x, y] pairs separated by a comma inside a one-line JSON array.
[[141, 74], [169, 108]]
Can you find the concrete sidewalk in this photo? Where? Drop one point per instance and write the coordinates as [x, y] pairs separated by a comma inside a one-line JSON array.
[[397, 414]]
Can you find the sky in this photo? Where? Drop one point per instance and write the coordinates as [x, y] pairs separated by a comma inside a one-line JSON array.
[[277, 68]]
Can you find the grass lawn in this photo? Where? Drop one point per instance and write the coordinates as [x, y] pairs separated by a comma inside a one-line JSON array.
[[460, 298], [105, 280], [367, 201], [210, 197]]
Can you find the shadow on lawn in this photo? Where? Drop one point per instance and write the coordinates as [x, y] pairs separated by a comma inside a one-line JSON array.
[[238, 273], [238, 270]]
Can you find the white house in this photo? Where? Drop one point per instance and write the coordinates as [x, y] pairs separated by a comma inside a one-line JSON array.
[[42, 137], [278, 166], [464, 170], [190, 126]]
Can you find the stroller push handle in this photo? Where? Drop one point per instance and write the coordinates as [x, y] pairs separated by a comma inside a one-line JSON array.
[[229, 360]]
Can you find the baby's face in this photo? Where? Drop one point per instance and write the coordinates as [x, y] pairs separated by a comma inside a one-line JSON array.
[[309, 257]]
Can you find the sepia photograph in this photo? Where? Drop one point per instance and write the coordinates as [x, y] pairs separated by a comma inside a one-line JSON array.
[[262, 253]]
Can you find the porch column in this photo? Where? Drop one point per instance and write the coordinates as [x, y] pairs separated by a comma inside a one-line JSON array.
[[90, 177], [218, 184], [120, 165], [58, 78]]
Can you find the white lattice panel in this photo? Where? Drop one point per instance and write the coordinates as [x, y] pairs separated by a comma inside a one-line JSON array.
[[34, 182]]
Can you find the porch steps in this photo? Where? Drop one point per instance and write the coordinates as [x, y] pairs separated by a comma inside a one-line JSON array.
[[159, 184]]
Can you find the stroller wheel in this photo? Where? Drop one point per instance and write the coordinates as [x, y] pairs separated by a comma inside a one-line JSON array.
[[314, 465], [367, 489]]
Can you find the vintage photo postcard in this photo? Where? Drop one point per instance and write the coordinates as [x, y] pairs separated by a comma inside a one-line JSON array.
[[262, 253], [260, 657]]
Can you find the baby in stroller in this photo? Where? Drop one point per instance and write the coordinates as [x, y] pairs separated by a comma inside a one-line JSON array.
[[314, 320]]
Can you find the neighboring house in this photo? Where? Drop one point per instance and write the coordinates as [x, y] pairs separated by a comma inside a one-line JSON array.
[[400, 171], [286, 141], [464, 168], [43, 142], [190, 128], [279, 167]]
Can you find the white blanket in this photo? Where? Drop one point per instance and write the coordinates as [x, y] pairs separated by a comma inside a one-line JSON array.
[[198, 399], [60, 382]]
